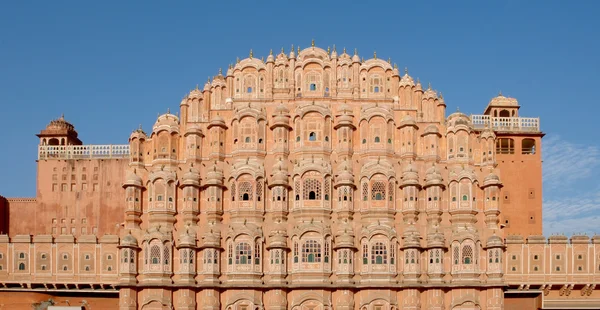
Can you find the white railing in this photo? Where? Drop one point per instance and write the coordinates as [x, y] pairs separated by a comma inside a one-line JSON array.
[[83, 151], [506, 123]]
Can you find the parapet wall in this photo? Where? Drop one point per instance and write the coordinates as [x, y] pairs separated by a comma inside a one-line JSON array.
[[61, 262], [557, 259]]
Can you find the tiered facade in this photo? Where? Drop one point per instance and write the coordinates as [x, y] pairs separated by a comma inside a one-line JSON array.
[[311, 180]]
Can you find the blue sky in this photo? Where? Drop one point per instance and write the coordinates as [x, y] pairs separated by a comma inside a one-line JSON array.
[[111, 65]]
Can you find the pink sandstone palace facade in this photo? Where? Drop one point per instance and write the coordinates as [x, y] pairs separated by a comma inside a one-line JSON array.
[[309, 180]]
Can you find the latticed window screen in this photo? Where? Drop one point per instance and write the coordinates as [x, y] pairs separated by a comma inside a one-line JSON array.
[[230, 254], [412, 257], [131, 256], [126, 256], [259, 190], [438, 256], [295, 252], [378, 191], [455, 255], [243, 254], [365, 254], [392, 252], [467, 254], [184, 256], [391, 190], [379, 253], [155, 254], [245, 191], [497, 256], [257, 253], [166, 254], [232, 191], [312, 189], [326, 252], [297, 189], [311, 252], [406, 254], [490, 256], [209, 257], [365, 191], [326, 188]]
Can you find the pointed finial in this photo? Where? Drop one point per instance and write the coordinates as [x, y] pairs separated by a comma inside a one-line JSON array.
[[395, 66], [298, 49], [237, 60], [355, 51], [418, 81], [262, 58], [344, 50], [282, 51], [251, 54], [362, 59], [389, 60], [220, 71], [405, 70], [312, 43], [457, 109], [230, 66], [168, 111], [140, 127], [500, 93], [441, 96], [292, 50], [271, 52], [375, 54], [196, 86], [328, 50], [334, 48], [208, 80], [429, 86], [62, 115]]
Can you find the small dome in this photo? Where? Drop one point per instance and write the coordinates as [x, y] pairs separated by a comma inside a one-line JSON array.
[[60, 124], [410, 175], [193, 129], [431, 129], [207, 86], [491, 179], [433, 176], [406, 80], [501, 101], [419, 86], [494, 242], [407, 120], [345, 176], [195, 93], [166, 121], [217, 120], [280, 173], [133, 179], [138, 134], [214, 175], [191, 177], [228, 100], [129, 241], [429, 94], [271, 58], [187, 238]]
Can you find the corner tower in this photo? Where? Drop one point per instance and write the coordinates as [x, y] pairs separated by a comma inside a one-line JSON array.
[[519, 158]]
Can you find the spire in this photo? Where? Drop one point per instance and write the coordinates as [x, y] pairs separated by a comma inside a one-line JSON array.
[[271, 52], [312, 43], [292, 48], [328, 50], [298, 49], [355, 51], [196, 86], [282, 51], [220, 71], [168, 111], [251, 54], [500, 93], [375, 54], [406, 70], [389, 60], [344, 50], [237, 60], [395, 66], [334, 48], [429, 86]]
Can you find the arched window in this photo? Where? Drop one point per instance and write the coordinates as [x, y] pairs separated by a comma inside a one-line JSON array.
[[377, 140], [21, 266], [21, 255], [311, 252], [467, 254], [312, 136], [245, 191], [379, 254], [247, 140], [528, 146], [243, 254], [155, 255], [465, 197], [312, 189], [378, 191]]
